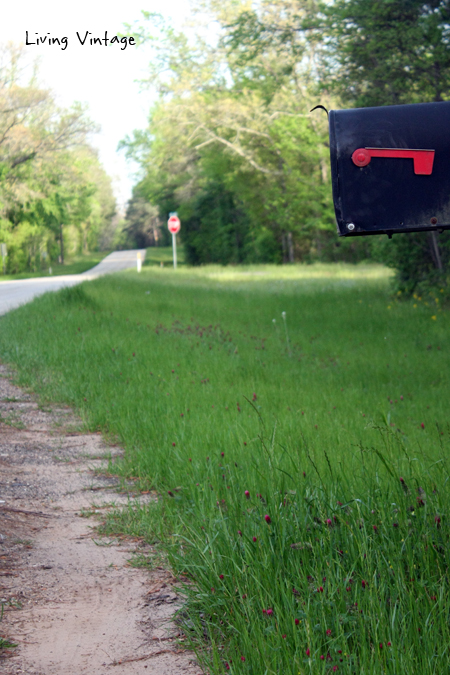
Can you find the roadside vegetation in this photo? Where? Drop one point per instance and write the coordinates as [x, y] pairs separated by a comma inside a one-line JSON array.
[[294, 424], [56, 199], [233, 143], [74, 264]]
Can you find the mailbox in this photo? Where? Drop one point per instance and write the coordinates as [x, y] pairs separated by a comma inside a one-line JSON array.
[[390, 168]]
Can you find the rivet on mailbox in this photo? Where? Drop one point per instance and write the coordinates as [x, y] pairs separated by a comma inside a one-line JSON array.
[[390, 168]]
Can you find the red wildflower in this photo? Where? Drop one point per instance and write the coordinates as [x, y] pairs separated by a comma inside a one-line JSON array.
[[269, 612], [381, 645], [239, 533], [422, 425], [222, 454], [221, 576], [247, 494], [267, 519], [388, 644], [308, 652], [328, 631], [255, 539], [320, 589], [329, 522], [297, 621], [284, 637], [363, 583], [322, 658], [242, 658]]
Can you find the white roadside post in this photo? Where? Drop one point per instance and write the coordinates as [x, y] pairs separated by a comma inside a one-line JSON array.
[[4, 253], [174, 226], [139, 261]]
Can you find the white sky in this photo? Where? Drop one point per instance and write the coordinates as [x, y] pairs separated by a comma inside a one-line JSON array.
[[103, 77]]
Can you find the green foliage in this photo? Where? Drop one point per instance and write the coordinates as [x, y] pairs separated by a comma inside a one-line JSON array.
[[54, 194], [142, 222], [341, 440], [216, 231], [389, 52], [234, 112], [242, 129], [421, 261]]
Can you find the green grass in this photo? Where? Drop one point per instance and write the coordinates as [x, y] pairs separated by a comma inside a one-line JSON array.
[[74, 265], [302, 465], [155, 255]]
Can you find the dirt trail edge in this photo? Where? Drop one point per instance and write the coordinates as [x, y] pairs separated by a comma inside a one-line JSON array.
[[70, 600]]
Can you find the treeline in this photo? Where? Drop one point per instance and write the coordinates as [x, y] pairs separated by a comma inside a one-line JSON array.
[[55, 197], [231, 144]]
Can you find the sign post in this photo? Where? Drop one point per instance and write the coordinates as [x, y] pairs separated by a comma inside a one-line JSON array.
[[4, 252], [139, 261], [174, 226]]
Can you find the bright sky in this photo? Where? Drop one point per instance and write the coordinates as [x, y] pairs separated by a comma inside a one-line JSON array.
[[103, 77]]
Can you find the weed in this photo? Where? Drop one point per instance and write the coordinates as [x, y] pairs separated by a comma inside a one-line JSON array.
[[12, 420], [28, 543]]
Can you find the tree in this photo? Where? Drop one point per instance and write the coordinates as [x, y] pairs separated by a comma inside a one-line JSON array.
[[49, 177], [382, 52], [142, 222], [369, 53], [31, 126], [217, 124]]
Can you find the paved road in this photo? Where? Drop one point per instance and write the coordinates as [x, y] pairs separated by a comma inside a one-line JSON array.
[[15, 293]]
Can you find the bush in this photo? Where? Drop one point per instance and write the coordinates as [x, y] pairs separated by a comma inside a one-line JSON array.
[[421, 260]]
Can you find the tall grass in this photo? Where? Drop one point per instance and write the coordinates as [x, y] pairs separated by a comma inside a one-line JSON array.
[[76, 264], [302, 464]]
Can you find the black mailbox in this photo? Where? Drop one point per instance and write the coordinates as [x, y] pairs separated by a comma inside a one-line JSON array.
[[390, 168]]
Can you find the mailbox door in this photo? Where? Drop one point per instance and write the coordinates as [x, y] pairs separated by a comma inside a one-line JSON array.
[[387, 195]]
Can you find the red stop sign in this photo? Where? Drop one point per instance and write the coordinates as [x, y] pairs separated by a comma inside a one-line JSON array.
[[174, 224]]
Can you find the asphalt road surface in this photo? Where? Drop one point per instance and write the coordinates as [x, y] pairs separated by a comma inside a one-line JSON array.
[[15, 293]]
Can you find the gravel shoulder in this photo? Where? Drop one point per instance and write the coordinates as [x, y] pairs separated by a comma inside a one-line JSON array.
[[71, 601]]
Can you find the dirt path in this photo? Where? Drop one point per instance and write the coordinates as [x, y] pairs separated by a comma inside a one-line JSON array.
[[71, 601]]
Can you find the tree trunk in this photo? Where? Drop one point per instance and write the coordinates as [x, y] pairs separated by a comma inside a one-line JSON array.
[[290, 245], [62, 243], [435, 252], [284, 246]]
